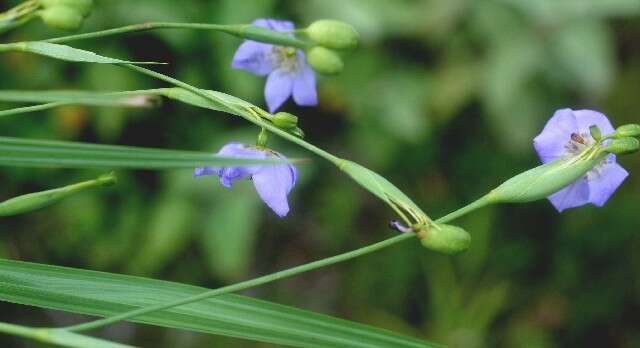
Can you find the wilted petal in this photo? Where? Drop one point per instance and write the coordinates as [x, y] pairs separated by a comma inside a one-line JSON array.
[[254, 57], [278, 88], [304, 85], [273, 183], [574, 195], [588, 118], [550, 143], [602, 186]]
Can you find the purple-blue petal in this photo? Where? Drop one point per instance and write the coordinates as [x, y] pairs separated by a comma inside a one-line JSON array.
[[572, 196], [278, 88], [254, 57], [588, 118], [550, 143], [605, 183], [304, 85], [273, 183]]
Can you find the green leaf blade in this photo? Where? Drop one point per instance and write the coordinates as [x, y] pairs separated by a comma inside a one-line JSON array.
[[103, 294], [46, 153]]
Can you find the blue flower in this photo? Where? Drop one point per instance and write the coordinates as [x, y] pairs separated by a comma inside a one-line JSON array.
[[272, 181], [289, 73], [566, 135]]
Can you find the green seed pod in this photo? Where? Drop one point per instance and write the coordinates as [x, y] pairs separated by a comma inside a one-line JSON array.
[[324, 60], [628, 130], [542, 181], [82, 6], [285, 120], [62, 17], [447, 239], [38, 200], [333, 34], [622, 146]]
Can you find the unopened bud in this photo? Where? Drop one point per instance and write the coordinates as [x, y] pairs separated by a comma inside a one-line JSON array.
[[628, 130], [298, 132], [446, 239], [82, 6], [62, 17], [324, 60], [285, 120], [595, 132], [333, 34], [263, 137], [622, 146]]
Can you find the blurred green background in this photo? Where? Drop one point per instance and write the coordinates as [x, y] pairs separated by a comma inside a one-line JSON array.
[[443, 97]]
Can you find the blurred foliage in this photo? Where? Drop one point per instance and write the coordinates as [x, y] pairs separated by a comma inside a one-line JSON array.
[[442, 97]]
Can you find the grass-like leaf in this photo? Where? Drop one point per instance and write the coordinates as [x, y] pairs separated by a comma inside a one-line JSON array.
[[105, 294], [144, 98], [44, 153], [64, 52]]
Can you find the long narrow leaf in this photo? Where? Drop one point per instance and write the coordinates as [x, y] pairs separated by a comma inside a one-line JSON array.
[[64, 52], [105, 294], [43, 153], [143, 98]]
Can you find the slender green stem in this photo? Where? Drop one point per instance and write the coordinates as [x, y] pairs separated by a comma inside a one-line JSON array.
[[240, 30], [271, 277], [18, 15], [246, 284], [18, 330], [242, 113], [32, 108], [477, 204], [59, 337]]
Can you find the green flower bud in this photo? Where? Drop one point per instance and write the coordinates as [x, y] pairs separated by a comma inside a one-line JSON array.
[[62, 17], [263, 137], [82, 6], [628, 130], [285, 120], [34, 201], [446, 239], [622, 146], [542, 181], [324, 60], [595, 132], [297, 132], [333, 34]]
